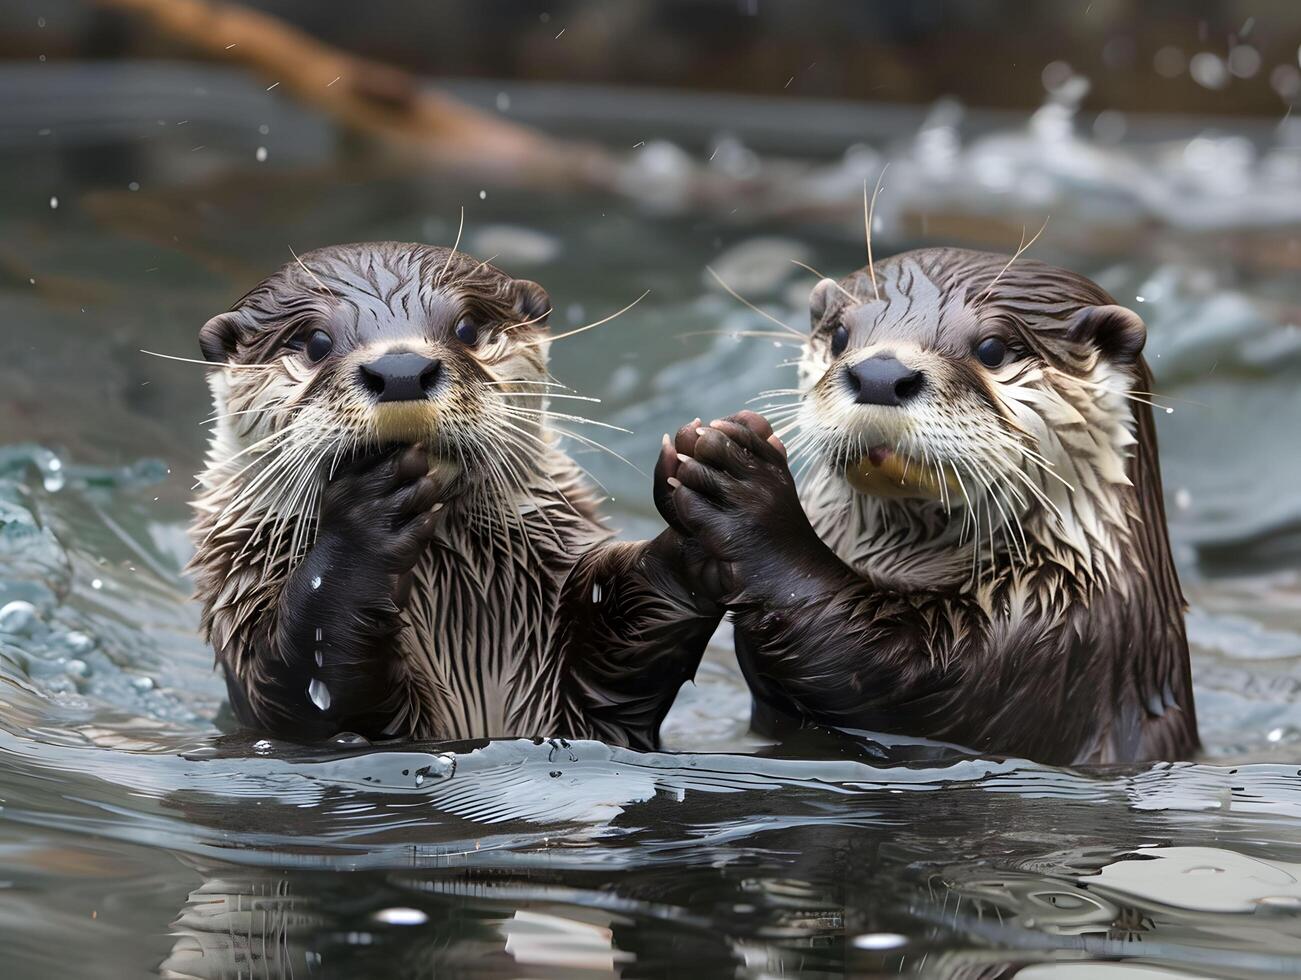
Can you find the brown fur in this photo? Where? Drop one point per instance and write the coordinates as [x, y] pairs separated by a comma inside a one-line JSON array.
[[1013, 614], [324, 584]]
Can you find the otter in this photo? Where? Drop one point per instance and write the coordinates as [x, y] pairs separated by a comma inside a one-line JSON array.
[[389, 539], [980, 556]]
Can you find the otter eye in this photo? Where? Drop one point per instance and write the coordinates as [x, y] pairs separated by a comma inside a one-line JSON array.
[[467, 331], [318, 345], [839, 340], [992, 352]]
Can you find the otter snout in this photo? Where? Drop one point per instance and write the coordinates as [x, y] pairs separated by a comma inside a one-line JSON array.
[[883, 380], [401, 376]]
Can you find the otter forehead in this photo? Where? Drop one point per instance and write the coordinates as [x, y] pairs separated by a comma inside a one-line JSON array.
[[375, 294], [940, 297], [913, 307], [383, 290]]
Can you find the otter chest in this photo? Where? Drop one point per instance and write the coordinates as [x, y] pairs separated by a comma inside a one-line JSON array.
[[481, 619]]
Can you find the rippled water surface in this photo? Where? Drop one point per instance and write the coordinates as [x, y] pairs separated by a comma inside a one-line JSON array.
[[139, 834]]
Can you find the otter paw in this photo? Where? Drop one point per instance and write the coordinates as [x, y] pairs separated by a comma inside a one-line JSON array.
[[382, 507], [733, 492]]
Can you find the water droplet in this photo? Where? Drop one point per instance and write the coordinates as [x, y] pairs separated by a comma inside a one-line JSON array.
[[316, 582], [96, 583], [401, 917], [17, 616], [483, 195], [143, 683], [319, 693], [320, 659], [350, 740], [880, 940], [261, 154], [54, 203], [262, 746], [1275, 735], [596, 592]]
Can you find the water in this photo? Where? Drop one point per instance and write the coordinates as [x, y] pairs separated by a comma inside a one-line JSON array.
[[141, 835]]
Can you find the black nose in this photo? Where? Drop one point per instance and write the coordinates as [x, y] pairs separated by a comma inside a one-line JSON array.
[[882, 380], [401, 377]]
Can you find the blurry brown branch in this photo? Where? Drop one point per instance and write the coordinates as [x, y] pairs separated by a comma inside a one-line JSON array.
[[373, 97]]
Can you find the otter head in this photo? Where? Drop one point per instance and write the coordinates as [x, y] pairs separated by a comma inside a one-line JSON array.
[[356, 347], [964, 381]]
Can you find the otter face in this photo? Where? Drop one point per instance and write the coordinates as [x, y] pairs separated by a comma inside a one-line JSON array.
[[958, 377], [356, 347]]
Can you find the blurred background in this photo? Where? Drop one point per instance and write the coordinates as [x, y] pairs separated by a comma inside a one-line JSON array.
[[159, 157]]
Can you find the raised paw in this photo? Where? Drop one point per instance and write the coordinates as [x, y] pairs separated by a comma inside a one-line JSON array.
[[732, 491], [383, 507]]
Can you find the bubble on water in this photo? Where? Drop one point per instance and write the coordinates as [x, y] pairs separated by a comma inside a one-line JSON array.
[[261, 155], [1208, 70], [262, 747], [319, 693], [316, 582], [879, 940], [17, 617], [78, 641], [401, 916], [348, 740], [1244, 61]]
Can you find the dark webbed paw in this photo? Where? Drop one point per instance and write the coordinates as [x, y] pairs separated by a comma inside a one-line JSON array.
[[377, 513], [728, 487]]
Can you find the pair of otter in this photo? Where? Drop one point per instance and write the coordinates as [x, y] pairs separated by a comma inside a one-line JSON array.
[[390, 542]]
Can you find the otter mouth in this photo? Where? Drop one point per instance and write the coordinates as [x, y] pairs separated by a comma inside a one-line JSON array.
[[886, 472], [404, 422]]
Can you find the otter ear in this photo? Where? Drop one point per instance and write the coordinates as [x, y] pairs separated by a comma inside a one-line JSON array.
[[219, 337], [819, 300], [1118, 333], [532, 301]]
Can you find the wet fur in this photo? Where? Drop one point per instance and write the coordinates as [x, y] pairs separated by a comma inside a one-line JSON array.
[[474, 619], [1022, 616]]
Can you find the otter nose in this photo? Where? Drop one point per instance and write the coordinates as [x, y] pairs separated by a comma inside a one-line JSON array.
[[401, 377], [883, 380]]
